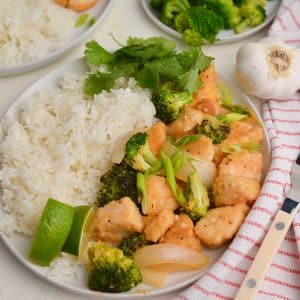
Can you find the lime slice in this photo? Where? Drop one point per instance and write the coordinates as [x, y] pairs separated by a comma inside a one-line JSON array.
[[52, 232], [79, 233]]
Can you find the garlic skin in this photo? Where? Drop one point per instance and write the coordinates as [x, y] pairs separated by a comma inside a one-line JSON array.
[[268, 69]]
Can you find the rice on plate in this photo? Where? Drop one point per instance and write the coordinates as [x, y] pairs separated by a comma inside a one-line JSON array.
[[64, 144], [31, 29]]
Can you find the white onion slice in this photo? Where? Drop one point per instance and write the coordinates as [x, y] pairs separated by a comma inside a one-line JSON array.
[[206, 170], [161, 256], [154, 277]]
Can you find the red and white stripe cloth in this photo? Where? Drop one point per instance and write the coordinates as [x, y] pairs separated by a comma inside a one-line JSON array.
[[282, 120]]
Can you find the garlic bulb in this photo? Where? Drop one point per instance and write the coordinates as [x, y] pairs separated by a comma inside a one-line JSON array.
[[268, 69]]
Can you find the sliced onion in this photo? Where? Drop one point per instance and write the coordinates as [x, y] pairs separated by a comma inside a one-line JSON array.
[[206, 170], [161, 256], [154, 277]]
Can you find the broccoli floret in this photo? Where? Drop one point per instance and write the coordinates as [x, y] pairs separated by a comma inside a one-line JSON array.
[[118, 182], [171, 8], [110, 270], [132, 243], [225, 9], [253, 15], [157, 4], [138, 153], [169, 102], [198, 25], [215, 130], [197, 201]]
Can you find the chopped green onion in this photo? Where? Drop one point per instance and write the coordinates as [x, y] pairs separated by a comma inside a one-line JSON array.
[[142, 191], [81, 20], [91, 22], [187, 139], [240, 147], [231, 117]]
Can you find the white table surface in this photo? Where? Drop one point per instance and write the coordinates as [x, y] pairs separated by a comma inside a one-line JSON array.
[[126, 18]]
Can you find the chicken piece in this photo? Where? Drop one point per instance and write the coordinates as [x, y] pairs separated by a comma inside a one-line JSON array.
[[182, 233], [116, 220], [230, 190], [238, 179], [240, 133], [243, 164], [77, 5], [206, 99], [203, 149], [157, 225], [188, 119], [157, 137], [159, 195], [220, 224]]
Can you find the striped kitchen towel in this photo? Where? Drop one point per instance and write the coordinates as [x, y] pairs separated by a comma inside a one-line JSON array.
[[282, 120]]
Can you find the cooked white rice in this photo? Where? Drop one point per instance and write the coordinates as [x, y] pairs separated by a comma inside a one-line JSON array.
[[30, 29], [60, 145]]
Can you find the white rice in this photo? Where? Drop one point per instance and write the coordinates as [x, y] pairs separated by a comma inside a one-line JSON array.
[[30, 29], [60, 145]]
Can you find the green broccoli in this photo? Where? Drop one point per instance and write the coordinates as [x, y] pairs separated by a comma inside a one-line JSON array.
[[138, 153], [252, 16], [110, 270], [214, 129], [157, 4], [118, 182], [132, 243], [169, 102], [171, 8], [197, 201], [225, 9], [198, 25]]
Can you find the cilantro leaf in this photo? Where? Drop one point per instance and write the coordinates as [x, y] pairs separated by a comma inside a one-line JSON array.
[[189, 81], [168, 67], [125, 69], [148, 78], [96, 83], [145, 49], [187, 58], [96, 55]]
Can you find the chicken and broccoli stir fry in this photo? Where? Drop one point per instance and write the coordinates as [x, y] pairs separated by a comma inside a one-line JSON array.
[[180, 186], [189, 182]]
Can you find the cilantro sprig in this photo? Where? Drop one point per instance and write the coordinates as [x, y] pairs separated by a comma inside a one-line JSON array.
[[151, 61]]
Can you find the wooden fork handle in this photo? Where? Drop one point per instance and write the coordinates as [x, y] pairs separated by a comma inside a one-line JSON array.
[[264, 257]]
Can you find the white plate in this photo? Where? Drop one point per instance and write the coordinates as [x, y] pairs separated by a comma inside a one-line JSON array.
[[99, 12], [20, 245], [225, 36]]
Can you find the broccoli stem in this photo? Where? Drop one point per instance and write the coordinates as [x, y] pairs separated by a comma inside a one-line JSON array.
[[142, 191]]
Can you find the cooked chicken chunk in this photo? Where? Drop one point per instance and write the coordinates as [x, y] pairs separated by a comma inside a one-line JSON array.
[[157, 225], [240, 133], [206, 99], [238, 179], [243, 164], [220, 224], [116, 220], [157, 137], [202, 149], [185, 123], [230, 190], [182, 233], [159, 195]]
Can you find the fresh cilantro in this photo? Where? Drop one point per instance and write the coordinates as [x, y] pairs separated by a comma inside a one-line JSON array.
[[168, 67], [80, 21], [148, 78], [189, 81], [96, 55], [96, 83], [145, 49]]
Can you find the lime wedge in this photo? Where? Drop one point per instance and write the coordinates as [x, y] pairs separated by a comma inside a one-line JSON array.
[[79, 233], [52, 232]]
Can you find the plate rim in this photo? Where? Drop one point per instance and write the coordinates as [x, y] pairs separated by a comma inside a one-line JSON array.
[[33, 88], [225, 40], [60, 53]]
